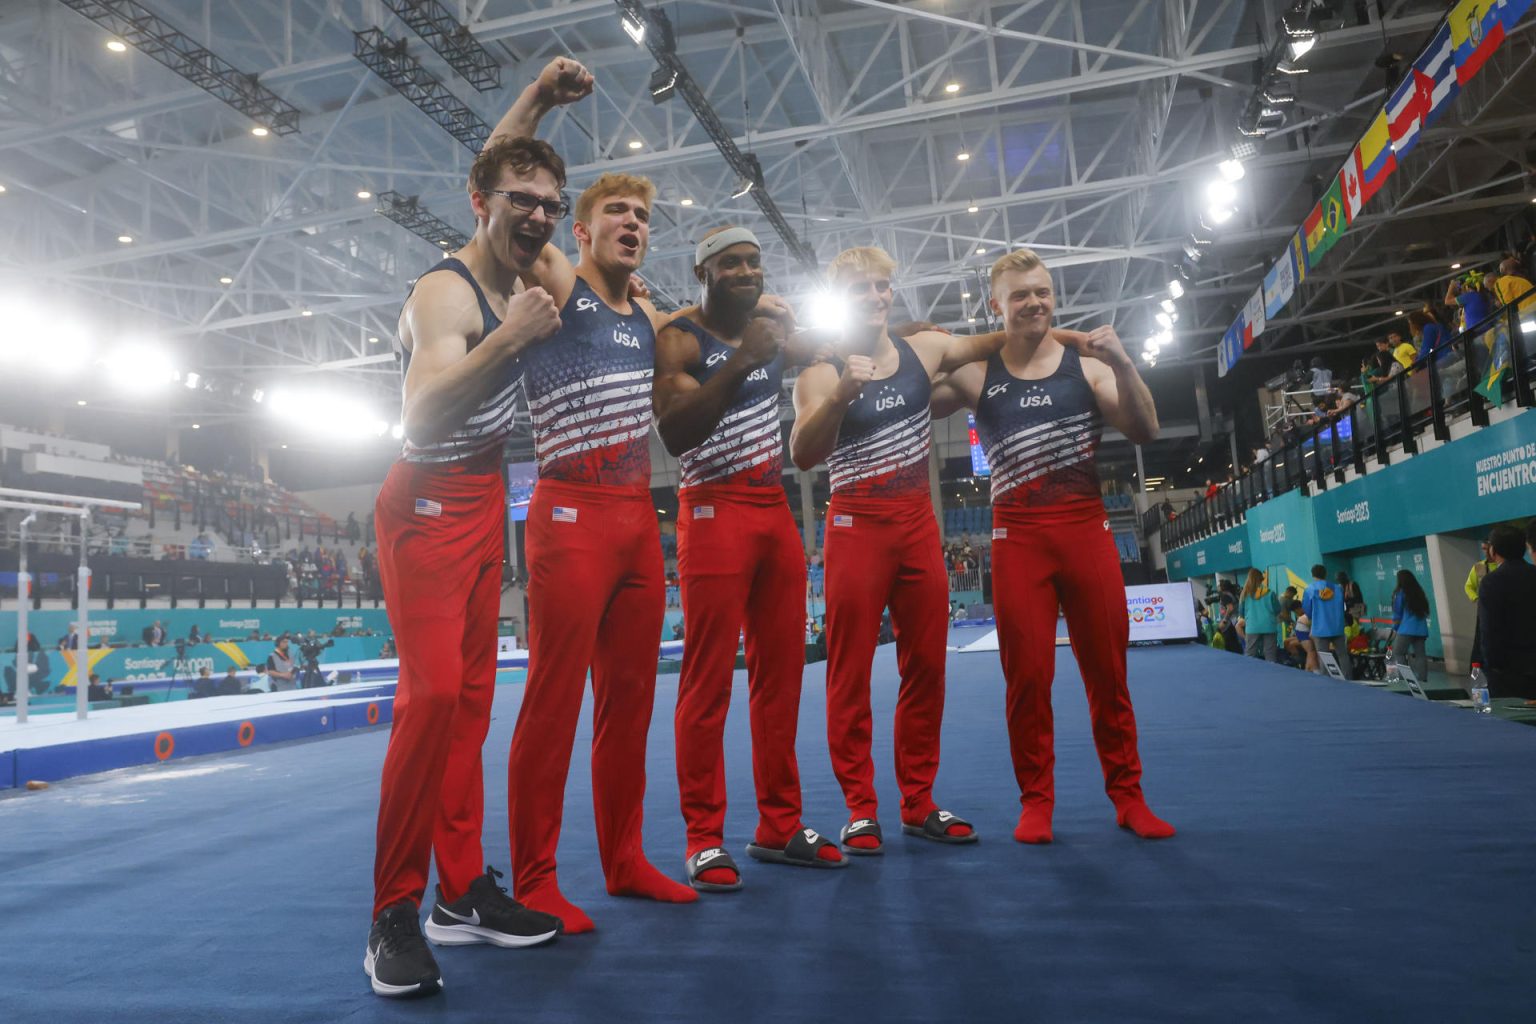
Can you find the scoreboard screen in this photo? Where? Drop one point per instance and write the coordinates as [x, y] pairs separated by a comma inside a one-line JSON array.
[[979, 466]]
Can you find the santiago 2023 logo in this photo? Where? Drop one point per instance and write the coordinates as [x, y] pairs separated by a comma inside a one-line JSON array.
[[1144, 611]]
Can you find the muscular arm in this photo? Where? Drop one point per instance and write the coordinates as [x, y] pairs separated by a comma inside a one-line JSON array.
[[957, 390], [446, 381], [687, 412], [818, 415], [1124, 400], [553, 272], [562, 81]]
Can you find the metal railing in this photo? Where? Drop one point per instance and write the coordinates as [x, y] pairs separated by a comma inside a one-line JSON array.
[[1439, 387]]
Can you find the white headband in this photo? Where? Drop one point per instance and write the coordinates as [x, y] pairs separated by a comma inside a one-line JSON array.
[[723, 240]]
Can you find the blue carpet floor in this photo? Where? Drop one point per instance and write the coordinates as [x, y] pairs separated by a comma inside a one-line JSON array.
[[1343, 855]]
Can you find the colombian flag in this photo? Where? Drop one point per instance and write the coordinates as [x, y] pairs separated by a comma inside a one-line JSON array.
[[1477, 29], [1377, 159]]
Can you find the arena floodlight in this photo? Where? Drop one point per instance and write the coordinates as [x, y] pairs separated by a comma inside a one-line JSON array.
[[1299, 46], [1164, 320], [1176, 288], [1167, 305], [1231, 170], [634, 29], [663, 84], [827, 310], [190, 381], [138, 366]]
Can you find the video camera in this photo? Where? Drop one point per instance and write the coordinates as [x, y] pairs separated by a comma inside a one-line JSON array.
[[310, 650]]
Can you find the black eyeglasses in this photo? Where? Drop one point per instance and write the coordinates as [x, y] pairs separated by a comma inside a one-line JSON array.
[[524, 202]]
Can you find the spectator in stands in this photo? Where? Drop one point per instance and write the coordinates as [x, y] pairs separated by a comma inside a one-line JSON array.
[[1428, 334], [70, 641], [1482, 567], [1323, 605], [354, 529], [1504, 602], [1407, 350], [677, 630], [203, 685], [154, 634], [1410, 620], [1469, 292], [1322, 379], [388, 650], [961, 612], [94, 690], [1403, 351], [1211, 488], [194, 636], [1382, 361], [1259, 623], [229, 686], [280, 668], [1513, 286]]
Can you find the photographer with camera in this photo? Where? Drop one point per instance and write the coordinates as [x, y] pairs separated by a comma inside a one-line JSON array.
[[310, 650]]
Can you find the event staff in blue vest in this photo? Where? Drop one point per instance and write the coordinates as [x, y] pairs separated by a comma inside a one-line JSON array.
[[1040, 407], [1323, 603], [596, 595], [866, 414], [719, 374], [441, 525]]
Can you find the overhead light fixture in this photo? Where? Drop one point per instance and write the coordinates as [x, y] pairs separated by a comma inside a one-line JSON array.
[[79, 401], [1221, 192], [743, 186], [633, 29], [257, 395], [260, 132], [636, 144], [1397, 312], [116, 46], [663, 84], [1176, 288], [981, 250], [1279, 92], [1270, 118], [397, 431], [970, 319], [1455, 266], [2, 190], [226, 279], [827, 310], [972, 208], [373, 339], [190, 381], [685, 202], [306, 312], [1216, 215], [1167, 305], [125, 239], [1164, 320], [952, 87], [965, 295], [443, 242], [962, 156], [1148, 356], [197, 426], [1231, 170], [1300, 46], [363, 193], [1286, 67]]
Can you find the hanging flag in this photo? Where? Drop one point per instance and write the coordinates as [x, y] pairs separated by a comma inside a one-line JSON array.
[[1350, 178], [1298, 250], [1512, 11], [1253, 318], [1496, 341], [1326, 224], [1377, 160], [1477, 29], [1279, 283], [1424, 93], [1231, 347]]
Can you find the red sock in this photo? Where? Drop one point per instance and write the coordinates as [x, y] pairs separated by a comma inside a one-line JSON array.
[[827, 853], [830, 853], [952, 830], [1034, 825], [718, 876], [863, 842], [638, 878], [549, 900], [1138, 817]]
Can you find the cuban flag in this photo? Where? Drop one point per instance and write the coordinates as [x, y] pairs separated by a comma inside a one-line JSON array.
[[1477, 29], [841, 520], [428, 507], [564, 515], [1427, 91]]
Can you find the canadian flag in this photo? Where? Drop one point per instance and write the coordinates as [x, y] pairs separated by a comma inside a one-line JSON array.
[[1353, 193]]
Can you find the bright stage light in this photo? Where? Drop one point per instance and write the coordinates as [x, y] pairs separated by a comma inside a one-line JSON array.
[[1231, 170], [827, 311], [327, 416], [1167, 305], [633, 29], [1176, 288], [138, 366]]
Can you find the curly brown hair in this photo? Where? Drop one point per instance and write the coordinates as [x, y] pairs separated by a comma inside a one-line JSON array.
[[521, 154]]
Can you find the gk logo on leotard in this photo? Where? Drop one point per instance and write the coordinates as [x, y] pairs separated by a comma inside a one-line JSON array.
[[996, 389], [882, 404], [625, 338], [586, 305], [716, 357]]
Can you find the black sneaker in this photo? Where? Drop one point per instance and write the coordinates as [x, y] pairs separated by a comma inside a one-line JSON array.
[[487, 914], [398, 960]]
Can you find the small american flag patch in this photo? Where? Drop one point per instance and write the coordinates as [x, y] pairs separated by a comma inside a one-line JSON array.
[[564, 515], [428, 507], [842, 520], [704, 512], [1000, 533]]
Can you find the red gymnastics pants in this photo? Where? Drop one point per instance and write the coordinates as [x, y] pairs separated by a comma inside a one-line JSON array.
[[441, 534], [596, 600], [741, 563], [885, 552], [1042, 557]]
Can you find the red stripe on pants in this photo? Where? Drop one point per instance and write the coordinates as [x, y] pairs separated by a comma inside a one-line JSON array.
[[442, 588], [1062, 555], [889, 556], [741, 564], [596, 600]]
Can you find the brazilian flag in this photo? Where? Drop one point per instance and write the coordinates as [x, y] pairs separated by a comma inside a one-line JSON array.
[[1496, 340]]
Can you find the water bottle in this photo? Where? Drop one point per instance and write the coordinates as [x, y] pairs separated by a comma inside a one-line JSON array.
[[1480, 691], [1390, 670]]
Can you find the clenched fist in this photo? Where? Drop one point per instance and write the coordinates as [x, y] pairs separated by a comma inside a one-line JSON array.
[[563, 81], [1101, 343], [777, 308], [857, 371], [532, 316], [760, 340]]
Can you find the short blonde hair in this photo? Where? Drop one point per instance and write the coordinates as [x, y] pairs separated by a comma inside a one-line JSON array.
[[1019, 259], [614, 184], [864, 259]]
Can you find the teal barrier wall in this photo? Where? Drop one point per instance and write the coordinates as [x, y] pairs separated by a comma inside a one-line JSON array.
[[131, 664], [1483, 478], [125, 625], [1283, 538], [1227, 551], [1375, 569]]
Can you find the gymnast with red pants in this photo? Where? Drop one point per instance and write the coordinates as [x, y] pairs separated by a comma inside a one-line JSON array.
[[595, 592], [719, 371], [867, 415], [1040, 405]]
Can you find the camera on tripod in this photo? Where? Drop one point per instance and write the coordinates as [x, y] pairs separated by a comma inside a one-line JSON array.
[[310, 650]]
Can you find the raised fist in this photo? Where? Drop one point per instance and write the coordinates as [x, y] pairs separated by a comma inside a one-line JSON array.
[[532, 316], [563, 81], [761, 339], [857, 371]]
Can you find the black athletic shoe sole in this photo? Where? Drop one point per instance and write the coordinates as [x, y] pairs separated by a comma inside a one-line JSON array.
[[413, 991], [468, 935]]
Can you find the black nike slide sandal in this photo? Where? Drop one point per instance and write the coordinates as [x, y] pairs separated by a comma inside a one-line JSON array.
[[936, 825], [709, 860], [801, 851], [862, 827]]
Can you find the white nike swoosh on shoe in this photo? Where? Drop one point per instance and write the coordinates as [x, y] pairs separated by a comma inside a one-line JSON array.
[[709, 855], [473, 918]]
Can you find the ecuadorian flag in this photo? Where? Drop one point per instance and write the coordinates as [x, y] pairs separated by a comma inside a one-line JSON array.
[[1377, 159], [1477, 29]]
